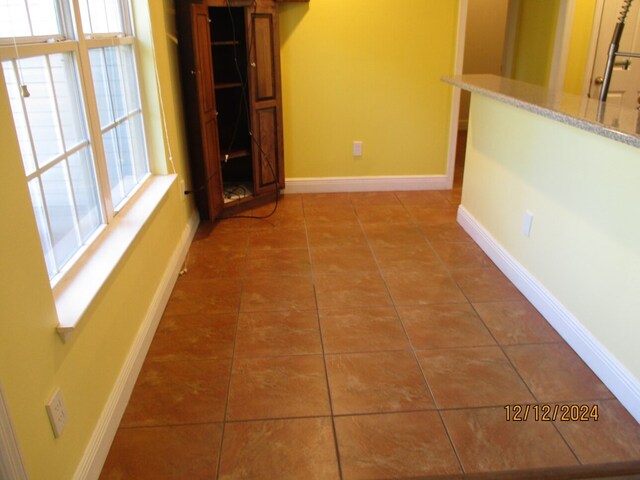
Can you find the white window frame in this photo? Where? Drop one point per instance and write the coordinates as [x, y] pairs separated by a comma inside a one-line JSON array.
[[73, 40]]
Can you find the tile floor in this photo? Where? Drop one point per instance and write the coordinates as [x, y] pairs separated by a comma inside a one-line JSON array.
[[358, 336]]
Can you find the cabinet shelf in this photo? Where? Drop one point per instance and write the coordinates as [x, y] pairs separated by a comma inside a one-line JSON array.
[[224, 86], [224, 43], [225, 157]]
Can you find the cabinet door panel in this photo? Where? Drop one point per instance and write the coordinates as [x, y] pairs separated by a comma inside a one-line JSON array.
[[265, 85], [204, 65], [211, 183], [267, 135]]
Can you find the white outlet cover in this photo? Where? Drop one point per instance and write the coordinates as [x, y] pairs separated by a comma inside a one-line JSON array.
[[357, 149], [57, 412]]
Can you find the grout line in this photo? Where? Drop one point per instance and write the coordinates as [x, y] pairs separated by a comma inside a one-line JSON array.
[[233, 358], [324, 358]]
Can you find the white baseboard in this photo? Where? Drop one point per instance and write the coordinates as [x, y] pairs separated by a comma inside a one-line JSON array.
[[98, 448], [613, 374], [366, 184]]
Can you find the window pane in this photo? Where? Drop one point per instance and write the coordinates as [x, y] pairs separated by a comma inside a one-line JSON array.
[[62, 220], [41, 109], [43, 229], [26, 18], [22, 129], [69, 104], [101, 16], [130, 77], [101, 83], [85, 192], [116, 82]]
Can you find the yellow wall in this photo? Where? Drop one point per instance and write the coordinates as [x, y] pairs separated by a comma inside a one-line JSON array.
[[583, 17], [367, 70], [33, 360], [582, 189], [536, 30]]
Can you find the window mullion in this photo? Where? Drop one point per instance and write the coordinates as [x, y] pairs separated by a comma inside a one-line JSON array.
[[93, 118]]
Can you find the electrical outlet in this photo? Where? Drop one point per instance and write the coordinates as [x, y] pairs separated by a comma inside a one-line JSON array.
[[357, 149], [57, 412]]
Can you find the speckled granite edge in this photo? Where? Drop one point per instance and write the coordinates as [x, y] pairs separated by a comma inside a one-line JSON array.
[[619, 124]]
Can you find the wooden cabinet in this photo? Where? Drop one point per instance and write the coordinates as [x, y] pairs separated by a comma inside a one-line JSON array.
[[230, 62]]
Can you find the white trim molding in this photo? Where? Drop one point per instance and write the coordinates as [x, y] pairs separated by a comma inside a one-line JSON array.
[[11, 462], [613, 374], [96, 452], [366, 184]]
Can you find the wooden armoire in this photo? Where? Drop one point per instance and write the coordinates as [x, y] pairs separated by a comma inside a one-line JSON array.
[[230, 71]]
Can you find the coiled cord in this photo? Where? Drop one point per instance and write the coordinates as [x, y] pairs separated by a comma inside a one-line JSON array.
[[626, 5]]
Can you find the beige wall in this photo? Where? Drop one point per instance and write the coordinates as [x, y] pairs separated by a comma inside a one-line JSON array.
[[582, 189]]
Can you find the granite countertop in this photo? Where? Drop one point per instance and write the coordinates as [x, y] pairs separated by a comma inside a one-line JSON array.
[[606, 119]]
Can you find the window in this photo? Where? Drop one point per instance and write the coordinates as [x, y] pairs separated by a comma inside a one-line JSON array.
[[70, 73]]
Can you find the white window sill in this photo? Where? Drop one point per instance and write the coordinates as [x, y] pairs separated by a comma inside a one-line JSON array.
[[77, 290]]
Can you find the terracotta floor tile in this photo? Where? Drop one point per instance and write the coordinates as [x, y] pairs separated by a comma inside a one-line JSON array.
[[278, 387], [614, 437], [312, 200], [179, 392], [292, 332], [373, 198], [277, 238], [336, 236], [158, 453], [454, 196], [472, 377], [486, 285], [431, 198], [385, 214], [432, 214], [423, 288], [279, 449], [289, 210], [362, 330], [331, 215], [555, 373], [277, 292], [398, 445], [220, 237], [390, 235], [198, 336], [284, 262], [486, 442], [461, 255], [204, 296], [446, 232], [278, 219], [407, 258], [376, 382], [444, 326], [211, 264], [343, 260], [208, 229], [351, 290], [514, 323]]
